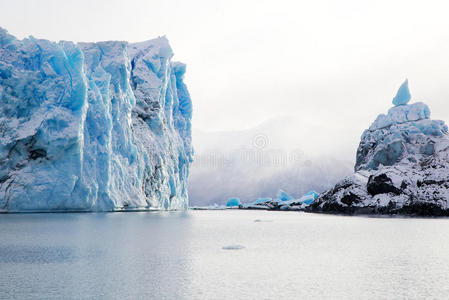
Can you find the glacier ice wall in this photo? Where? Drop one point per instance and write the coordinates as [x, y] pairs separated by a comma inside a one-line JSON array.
[[92, 126]]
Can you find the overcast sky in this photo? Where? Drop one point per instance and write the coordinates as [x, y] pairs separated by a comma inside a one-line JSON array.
[[337, 63]]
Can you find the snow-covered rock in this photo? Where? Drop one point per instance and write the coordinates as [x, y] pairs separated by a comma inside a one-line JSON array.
[[402, 167], [92, 126]]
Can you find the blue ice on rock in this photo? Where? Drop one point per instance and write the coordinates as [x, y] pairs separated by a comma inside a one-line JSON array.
[[283, 196], [406, 133], [403, 95], [401, 114], [262, 200], [233, 202], [92, 126], [309, 197]]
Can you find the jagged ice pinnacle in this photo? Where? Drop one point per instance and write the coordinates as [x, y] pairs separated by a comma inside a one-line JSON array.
[[403, 95]]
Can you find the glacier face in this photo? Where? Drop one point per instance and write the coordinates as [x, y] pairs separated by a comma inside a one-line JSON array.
[[92, 126]]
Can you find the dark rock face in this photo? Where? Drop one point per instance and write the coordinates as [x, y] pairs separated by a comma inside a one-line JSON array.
[[417, 208], [350, 199], [381, 184], [275, 205], [425, 209]]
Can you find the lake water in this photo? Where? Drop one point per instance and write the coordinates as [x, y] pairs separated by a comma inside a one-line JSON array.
[[232, 254]]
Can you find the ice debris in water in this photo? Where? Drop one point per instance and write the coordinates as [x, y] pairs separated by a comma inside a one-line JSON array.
[[233, 247], [283, 196], [309, 197], [403, 95], [262, 200], [233, 202]]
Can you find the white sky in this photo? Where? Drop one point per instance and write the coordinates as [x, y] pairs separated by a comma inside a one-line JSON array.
[[337, 63]]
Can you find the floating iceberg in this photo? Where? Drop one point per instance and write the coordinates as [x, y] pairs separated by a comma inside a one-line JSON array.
[[284, 201], [233, 202], [92, 126], [308, 198], [233, 247], [262, 200], [283, 196]]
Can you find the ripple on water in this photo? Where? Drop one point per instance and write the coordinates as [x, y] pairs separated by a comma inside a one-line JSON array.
[[29, 254]]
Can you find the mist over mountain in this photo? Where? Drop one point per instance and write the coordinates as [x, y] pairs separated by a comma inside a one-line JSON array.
[[259, 161]]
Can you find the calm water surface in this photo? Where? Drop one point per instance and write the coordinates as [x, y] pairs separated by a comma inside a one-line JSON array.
[[222, 255]]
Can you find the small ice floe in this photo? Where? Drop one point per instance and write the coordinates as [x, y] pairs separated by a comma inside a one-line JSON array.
[[262, 200], [283, 196], [233, 247], [259, 220], [233, 202]]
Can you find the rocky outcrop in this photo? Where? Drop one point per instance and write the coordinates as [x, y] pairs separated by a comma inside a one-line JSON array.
[[402, 166]]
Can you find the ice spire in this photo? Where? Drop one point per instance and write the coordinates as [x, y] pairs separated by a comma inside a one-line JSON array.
[[403, 95]]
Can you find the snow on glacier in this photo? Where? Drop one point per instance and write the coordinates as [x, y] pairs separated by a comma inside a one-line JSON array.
[[92, 126]]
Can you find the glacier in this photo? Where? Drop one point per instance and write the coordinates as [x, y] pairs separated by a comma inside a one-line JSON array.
[[92, 126]]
